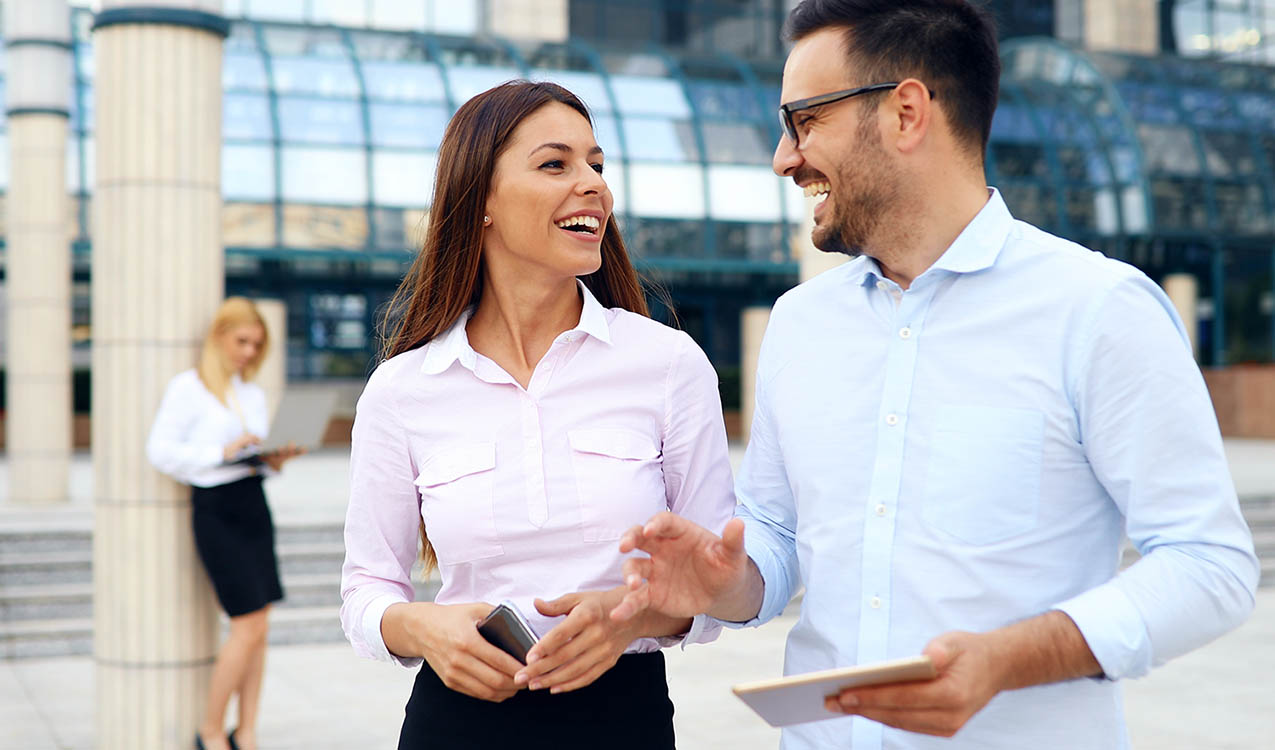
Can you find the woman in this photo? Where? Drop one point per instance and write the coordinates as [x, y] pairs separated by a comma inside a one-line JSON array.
[[210, 417], [528, 413]]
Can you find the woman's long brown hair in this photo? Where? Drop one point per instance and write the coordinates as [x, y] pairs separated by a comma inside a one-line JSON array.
[[446, 276]]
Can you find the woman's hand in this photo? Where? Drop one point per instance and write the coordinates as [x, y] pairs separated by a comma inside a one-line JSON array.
[[277, 458], [447, 637], [236, 446], [583, 646]]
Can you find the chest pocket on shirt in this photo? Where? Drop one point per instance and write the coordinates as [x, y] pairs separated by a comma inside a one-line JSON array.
[[983, 484], [456, 502], [619, 478]]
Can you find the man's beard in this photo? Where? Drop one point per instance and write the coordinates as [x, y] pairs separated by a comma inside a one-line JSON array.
[[864, 193]]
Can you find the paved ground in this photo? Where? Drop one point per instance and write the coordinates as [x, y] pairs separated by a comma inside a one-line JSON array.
[[320, 697]]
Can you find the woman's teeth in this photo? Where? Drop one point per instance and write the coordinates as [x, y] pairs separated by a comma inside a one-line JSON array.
[[580, 224]]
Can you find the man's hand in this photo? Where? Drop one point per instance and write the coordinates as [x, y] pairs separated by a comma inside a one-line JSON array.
[[580, 648], [969, 677], [973, 668], [690, 571]]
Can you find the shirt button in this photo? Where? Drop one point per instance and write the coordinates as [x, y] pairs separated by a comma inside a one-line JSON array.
[[882, 285], [905, 333], [892, 419], [876, 602], [880, 510]]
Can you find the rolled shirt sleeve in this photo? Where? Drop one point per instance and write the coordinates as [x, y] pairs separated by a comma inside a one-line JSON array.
[[382, 519], [696, 459], [1152, 440]]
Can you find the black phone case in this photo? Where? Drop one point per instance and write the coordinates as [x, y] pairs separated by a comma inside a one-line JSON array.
[[502, 629]]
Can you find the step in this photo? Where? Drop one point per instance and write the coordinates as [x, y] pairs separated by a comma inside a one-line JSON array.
[[35, 639], [16, 543], [74, 565]]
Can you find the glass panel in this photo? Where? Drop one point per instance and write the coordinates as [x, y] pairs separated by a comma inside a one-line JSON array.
[[85, 63], [655, 238], [659, 139], [1228, 154], [247, 172], [667, 190], [1169, 150], [1080, 205], [282, 10], [1020, 159], [339, 12], [324, 227], [587, 86], [744, 194], [762, 243], [399, 14], [1031, 202], [608, 137], [1210, 108], [1149, 103], [459, 17], [403, 178], [408, 125], [614, 175], [733, 101], [307, 75], [403, 81], [243, 70], [1248, 306], [1013, 122], [1241, 209], [320, 121], [1179, 204], [247, 117], [466, 82], [735, 143], [644, 95], [247, 225], [324, 175]]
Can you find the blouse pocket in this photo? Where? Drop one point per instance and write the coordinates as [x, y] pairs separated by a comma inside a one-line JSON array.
[[619, 478], [456, 503], [984, 474]]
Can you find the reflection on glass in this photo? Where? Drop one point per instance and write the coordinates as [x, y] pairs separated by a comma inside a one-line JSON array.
[[659, 139], [307, 75], [667, 190], [243, 70], [247, 172], [403, 81], [468, 82], [408, 125], [324, 175], [246, 116], [587, 86], [403, 178], [1169, 149], [644, 95], [735, 143], [320, 121], [744, 194]]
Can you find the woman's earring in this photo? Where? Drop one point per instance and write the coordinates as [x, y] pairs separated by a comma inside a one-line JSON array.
[[486, 220]]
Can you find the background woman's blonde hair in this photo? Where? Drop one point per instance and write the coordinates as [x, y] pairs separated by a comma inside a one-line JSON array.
[[214, 369]]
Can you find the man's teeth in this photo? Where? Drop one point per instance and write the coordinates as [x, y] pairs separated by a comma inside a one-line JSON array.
[[817, 188], [580, 221]]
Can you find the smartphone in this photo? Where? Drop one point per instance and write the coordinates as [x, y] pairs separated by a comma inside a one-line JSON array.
[[506, 629]]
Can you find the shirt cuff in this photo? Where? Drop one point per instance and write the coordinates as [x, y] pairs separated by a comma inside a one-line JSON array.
[[704, 629], [775, 595], [371, 636], [1113, 629]]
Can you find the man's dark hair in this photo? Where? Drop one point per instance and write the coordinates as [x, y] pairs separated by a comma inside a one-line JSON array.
[[949, 45]]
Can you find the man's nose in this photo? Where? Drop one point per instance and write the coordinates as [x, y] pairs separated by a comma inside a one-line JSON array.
[[787, 158]]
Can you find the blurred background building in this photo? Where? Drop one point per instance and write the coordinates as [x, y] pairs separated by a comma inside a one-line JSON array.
[[1141, 128]]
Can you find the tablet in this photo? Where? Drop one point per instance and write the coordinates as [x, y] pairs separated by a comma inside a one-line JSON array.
[[798, 698]]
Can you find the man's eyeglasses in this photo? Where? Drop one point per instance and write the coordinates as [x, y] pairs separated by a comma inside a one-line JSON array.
[[786, 110]]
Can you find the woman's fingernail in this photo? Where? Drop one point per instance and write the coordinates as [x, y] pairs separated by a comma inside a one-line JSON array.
[[536, 685]]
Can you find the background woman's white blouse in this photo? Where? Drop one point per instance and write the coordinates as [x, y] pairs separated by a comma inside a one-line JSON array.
[[191, 430], [525, 493]]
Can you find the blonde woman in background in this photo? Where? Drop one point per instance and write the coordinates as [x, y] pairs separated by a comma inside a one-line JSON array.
[[204, 435]]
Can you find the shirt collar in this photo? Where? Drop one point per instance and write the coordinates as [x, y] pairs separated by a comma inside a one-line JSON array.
[[975, 248], [453, 344]]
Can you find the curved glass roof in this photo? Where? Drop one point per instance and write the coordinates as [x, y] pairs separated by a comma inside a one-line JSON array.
[[331, 136]]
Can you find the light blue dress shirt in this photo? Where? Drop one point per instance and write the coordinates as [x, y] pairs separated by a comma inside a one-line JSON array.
[[970, 452]]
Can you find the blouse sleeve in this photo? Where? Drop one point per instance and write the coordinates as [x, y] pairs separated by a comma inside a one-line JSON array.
[[381, 521], [697, 474], [171, 446]]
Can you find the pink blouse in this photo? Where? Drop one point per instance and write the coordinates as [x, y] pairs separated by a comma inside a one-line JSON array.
[[525, 492]]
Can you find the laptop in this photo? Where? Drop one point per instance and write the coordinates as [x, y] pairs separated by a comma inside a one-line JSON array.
[[301, 419]]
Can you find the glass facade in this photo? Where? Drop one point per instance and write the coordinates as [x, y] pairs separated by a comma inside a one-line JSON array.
[[1231, 30], [331, 135]]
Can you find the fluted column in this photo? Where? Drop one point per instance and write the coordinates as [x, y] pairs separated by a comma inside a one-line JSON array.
[[38, 263], [273, 375], [157, 279], [1183, 291]]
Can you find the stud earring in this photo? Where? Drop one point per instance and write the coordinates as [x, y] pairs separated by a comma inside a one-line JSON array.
[[486, 220]]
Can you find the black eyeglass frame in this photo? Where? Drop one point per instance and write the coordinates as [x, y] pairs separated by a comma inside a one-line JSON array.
[[786, 110]]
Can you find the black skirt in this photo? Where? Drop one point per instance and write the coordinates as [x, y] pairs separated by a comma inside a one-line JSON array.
[[628, 707], [234, 536]]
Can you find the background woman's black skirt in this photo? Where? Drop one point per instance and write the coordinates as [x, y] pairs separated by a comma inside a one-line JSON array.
[[234, 535], [628, 707]]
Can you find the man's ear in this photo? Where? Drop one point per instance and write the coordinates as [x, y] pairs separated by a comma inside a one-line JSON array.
[[911, 114]]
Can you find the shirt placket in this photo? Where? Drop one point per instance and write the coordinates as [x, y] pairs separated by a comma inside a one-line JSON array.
[[906, 322], [533, 453]]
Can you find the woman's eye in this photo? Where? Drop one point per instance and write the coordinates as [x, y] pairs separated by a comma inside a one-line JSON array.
[[554, 164], [597, 168]]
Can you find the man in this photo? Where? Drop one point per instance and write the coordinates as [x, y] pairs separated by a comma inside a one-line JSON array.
[[954, 430]]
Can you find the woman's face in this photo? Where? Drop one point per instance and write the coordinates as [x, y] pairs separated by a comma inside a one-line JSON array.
[[241, 344], [548, 203]]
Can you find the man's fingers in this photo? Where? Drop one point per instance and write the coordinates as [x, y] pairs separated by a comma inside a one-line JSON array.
[[562, 634], [560, 606], [663, 525], [636, 570], [937, 723], [942, 651], [733, 536], [629, 539], [633, 603]]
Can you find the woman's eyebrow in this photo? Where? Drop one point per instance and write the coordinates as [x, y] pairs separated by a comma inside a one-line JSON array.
[[563, 148]]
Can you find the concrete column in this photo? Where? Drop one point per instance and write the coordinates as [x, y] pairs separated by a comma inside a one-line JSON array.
[[542, 20], [273, 375], [1184, 292], [157, 280], [1122, 25], [38, 263], [752, 326]]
